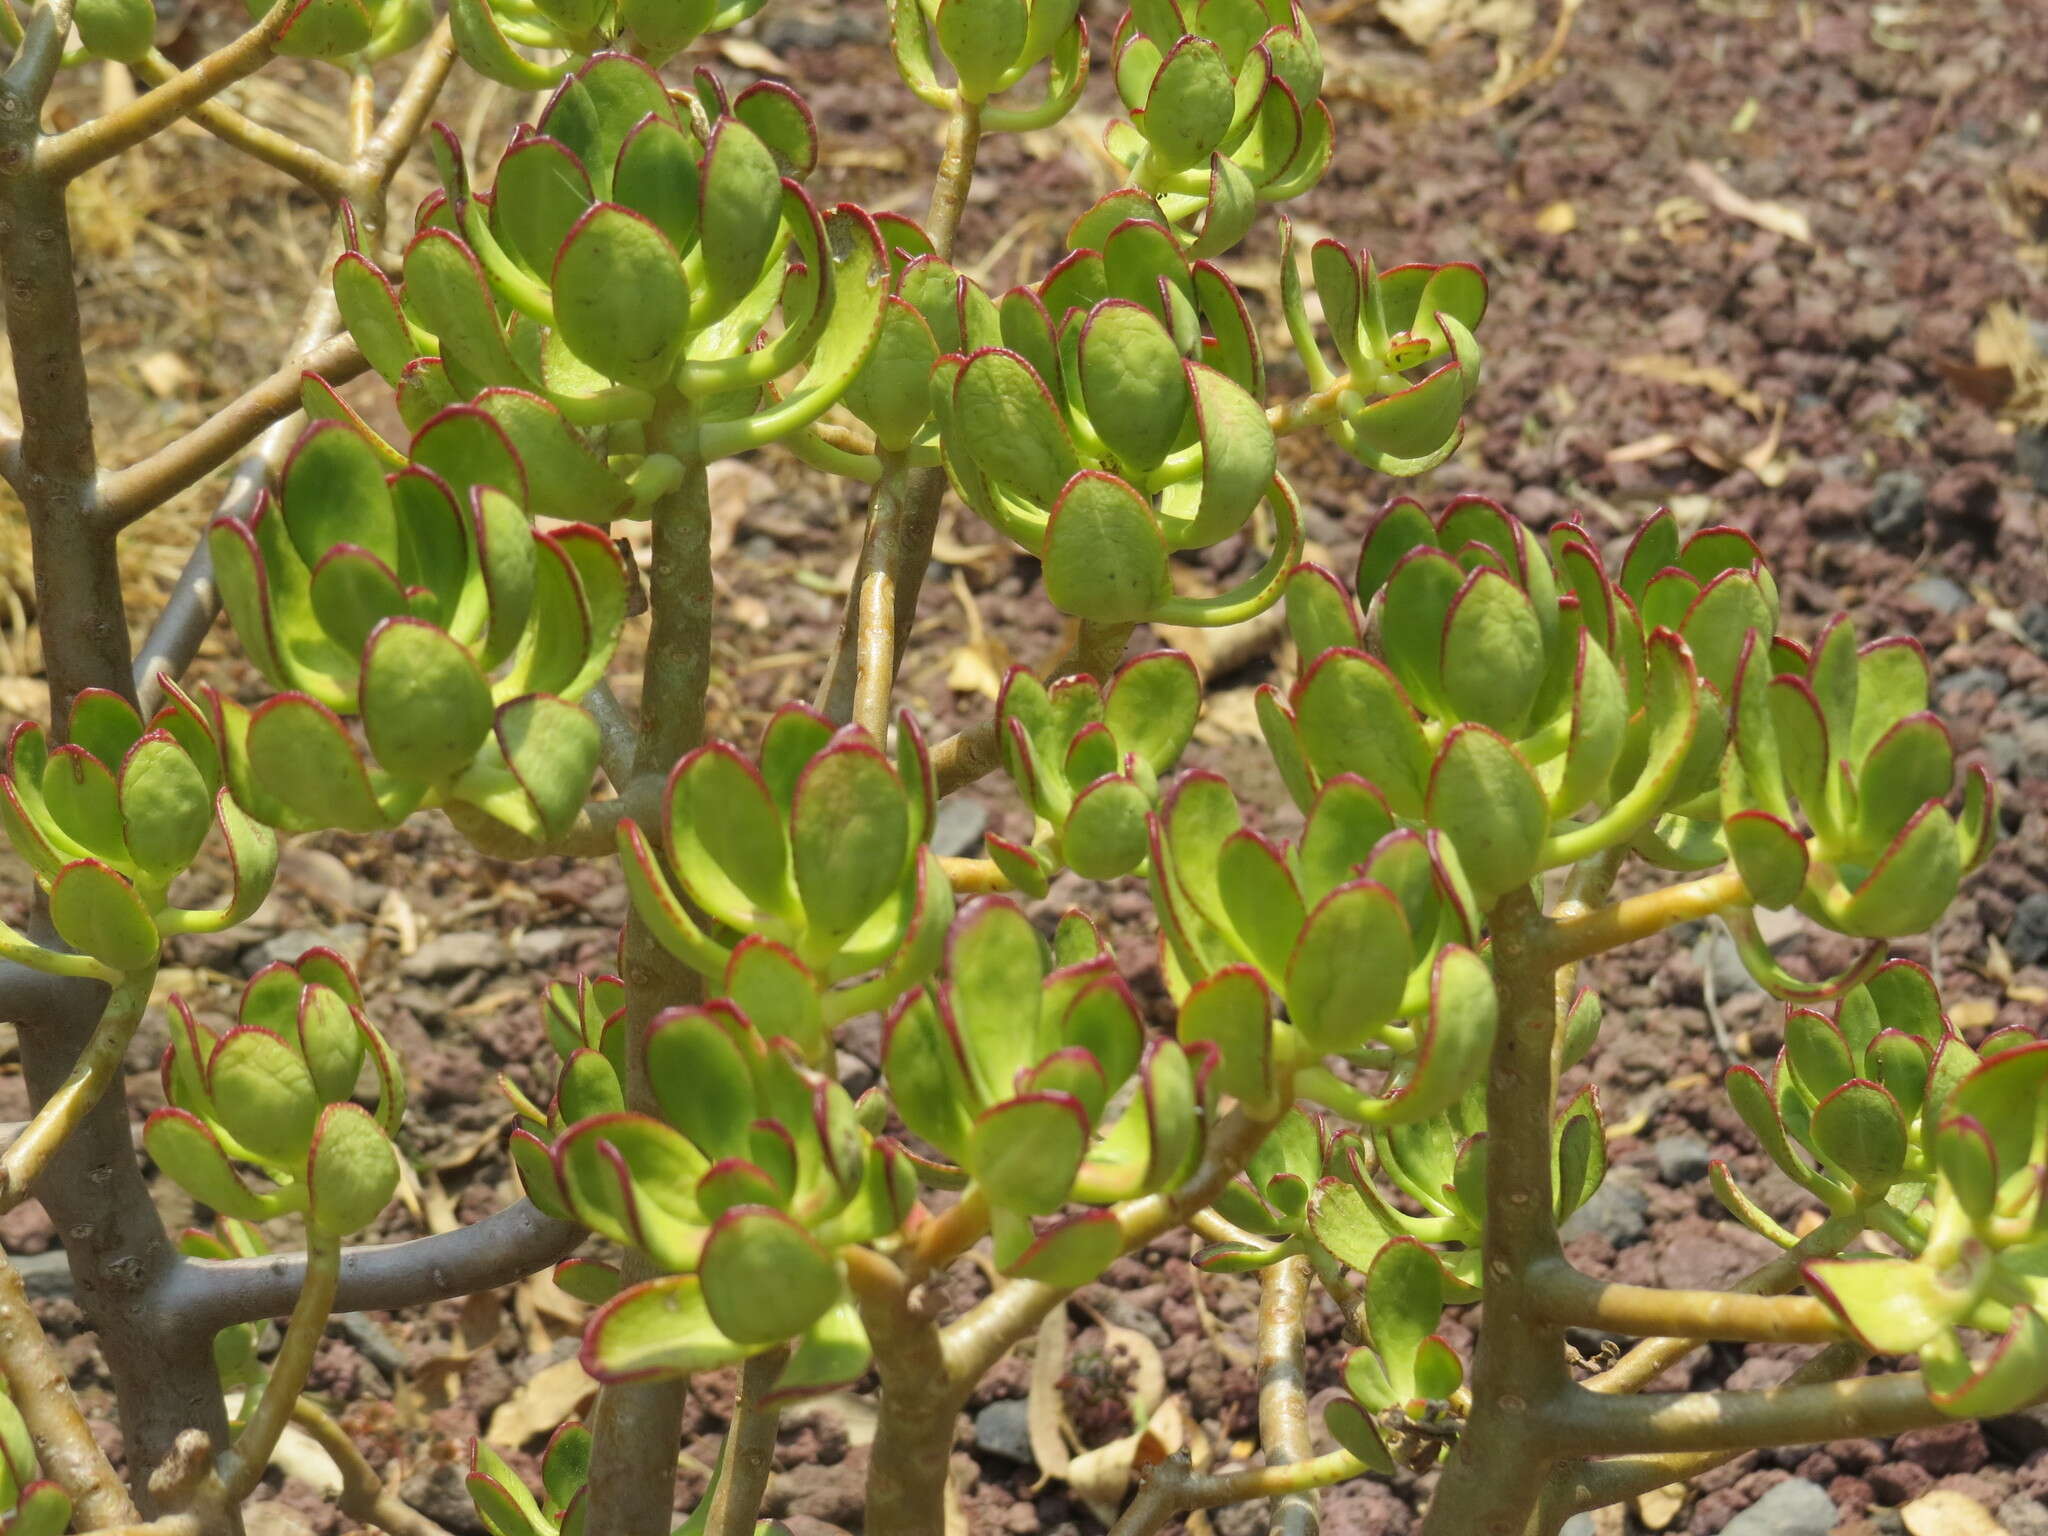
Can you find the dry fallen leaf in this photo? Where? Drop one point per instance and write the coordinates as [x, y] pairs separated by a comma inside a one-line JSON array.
[[751, 55], [1944, 1512], [1643, 449], [1972, 1012], [1100, 1478], [165, 374], [1667, 369], [979, 665], [556, 1393], [1044, 1414], [1778, 218], [1660, 1506]]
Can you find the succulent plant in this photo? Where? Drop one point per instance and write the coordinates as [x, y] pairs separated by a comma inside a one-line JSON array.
[[1088, 760], [603, 302], [741, 1189], [508, 1508], [1009, 1068], [111, 818], [1098, 439], [812, 868], [426, 604], [991, 46], [1349, 1070], [1225, 111], [277, 1093], [1388, 328]]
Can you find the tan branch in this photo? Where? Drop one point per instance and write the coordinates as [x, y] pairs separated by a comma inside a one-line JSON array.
[[41, 1389], [134, 492], [79, 149]]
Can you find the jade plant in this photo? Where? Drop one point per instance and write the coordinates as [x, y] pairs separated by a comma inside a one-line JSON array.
[[1346, 1077]]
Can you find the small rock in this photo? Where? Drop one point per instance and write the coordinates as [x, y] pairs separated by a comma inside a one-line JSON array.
[[1945, 1448], [1898, 500], [1683, 1159], [1716, 955], [1793, 1508], [2027, 939], [2030, 456], [347, 938], [1578, 1525], [439, 1492], [1940, 594], [1003, 1430], [1969, 680], [959, 827], [1618, 1211], [544, 946], [2023, 1516], [453, 954], [2034, 625]]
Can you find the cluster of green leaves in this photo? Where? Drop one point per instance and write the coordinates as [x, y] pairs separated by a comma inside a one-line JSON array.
[[810, 873], [277, 1093], [110, 819], [646, 286], [1883, 1112], [603, 303], [420, 598], [756, 1169]]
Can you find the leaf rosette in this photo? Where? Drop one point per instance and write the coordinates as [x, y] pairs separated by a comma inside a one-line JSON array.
[[990, 47], [1088, 762], [1008, 1068], [811, 886], [1975, 1228], [1408, 361], [1364, 929], [1098, 437], [422, 601], [754, 1171], [1839, 739], [609, 302], [276, 1093], [111, 818], [1225, 111]]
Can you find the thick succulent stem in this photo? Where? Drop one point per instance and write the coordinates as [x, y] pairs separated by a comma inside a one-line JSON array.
[[60, 1114], [920, 1403], [1495, 1479], [1651, 1358], [1565, 1297], [1283, 1389], [92, 1186], [749, 1448], [637, 1426], [41, 1389]]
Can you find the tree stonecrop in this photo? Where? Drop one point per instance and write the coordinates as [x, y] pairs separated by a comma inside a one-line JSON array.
[[1350, 1078]]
